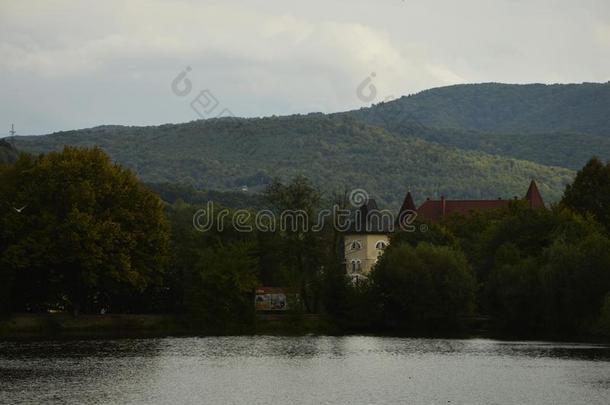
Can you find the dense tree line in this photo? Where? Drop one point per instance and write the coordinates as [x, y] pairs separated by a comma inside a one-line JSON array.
[[543, 272], [81, 234]]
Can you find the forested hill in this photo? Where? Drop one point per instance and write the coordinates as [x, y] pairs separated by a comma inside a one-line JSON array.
[[561, 124], [494, 107], [8, 153], [336, 152]]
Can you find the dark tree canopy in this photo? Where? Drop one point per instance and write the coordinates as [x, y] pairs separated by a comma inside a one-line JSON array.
[[83, 230], [590, 191], [425, 287]]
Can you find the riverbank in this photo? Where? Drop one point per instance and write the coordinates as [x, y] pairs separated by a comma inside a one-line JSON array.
[[60, 325], [64, 325]]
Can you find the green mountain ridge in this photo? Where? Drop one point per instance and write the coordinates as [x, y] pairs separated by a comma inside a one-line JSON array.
[[510, 108], [337, 152], [561, 124]]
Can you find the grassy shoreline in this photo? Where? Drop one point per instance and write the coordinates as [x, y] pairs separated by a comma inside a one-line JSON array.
[[62, 325], [66, 326]]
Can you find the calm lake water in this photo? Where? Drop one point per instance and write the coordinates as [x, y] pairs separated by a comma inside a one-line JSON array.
[[303, 370]]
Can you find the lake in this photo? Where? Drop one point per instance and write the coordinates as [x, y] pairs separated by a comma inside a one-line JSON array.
[[303, 370]]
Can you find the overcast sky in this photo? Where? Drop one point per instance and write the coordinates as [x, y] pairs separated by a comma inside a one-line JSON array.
[[72, 64]]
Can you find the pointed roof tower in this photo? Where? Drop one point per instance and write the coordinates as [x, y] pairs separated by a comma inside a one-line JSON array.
[[369, 219], [533, 196], [407, 204]]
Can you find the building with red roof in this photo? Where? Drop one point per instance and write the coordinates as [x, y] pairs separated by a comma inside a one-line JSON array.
[[366, 239], [436, 210]]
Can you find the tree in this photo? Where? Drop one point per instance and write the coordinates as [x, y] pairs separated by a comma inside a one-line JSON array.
[[515, 294], [589, 194], [79, 231], [577, 280], [426, 288], [549, 271], [189, 246], [219, 297], [302, 248], [425, 232], [602, 326]]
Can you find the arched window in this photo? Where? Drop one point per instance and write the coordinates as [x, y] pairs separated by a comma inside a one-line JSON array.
[[356, 265], [381, 245], [355, 245]]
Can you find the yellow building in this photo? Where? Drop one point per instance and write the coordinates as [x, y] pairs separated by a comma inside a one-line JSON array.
[[366, 239]]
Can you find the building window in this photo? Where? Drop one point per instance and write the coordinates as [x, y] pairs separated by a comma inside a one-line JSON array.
[[355, 245], [356, 266], [381, 245]]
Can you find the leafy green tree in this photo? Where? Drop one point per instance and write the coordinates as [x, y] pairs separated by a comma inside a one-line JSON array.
[[79, 231], [602, 326], [577, 280], [219, 296], [515, 294], [350, 306], [426, 232], [589, 194], [426, 288], [301, 247], [189, 245], [548, 271]]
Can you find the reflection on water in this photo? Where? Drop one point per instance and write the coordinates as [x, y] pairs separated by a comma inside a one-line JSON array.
[[303, 370]]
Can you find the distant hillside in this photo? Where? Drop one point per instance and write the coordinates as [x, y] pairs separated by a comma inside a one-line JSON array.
[[8, 154], [172, 193], [337, 152], [551, 124]]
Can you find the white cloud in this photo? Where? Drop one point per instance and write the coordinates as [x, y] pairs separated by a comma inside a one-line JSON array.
[[274, 57]]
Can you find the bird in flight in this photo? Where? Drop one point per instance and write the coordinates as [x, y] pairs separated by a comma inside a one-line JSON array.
[[20, 209]]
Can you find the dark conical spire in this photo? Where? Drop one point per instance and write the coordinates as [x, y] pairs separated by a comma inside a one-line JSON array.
[[533, 196], [407, 205]]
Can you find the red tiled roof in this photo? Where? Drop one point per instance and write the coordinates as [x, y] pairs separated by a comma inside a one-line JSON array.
[[437, 209]]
